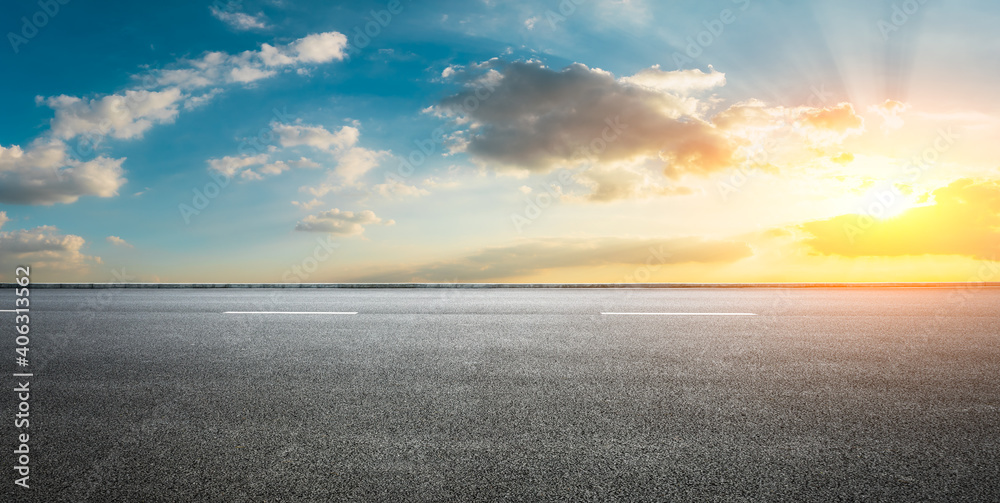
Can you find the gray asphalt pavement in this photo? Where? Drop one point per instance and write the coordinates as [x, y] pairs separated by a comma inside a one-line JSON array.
[[516, 395]]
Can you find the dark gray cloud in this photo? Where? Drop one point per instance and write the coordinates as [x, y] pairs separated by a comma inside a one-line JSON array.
[[524, 115]]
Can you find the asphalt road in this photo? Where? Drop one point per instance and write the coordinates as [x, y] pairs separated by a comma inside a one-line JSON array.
[[520, 395]]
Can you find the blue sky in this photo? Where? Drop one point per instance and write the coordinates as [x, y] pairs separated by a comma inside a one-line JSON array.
[[118, 115]]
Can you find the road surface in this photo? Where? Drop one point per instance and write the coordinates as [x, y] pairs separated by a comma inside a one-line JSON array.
[[837, 394]]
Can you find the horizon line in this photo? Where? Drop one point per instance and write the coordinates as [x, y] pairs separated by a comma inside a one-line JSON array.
[[896, 284]]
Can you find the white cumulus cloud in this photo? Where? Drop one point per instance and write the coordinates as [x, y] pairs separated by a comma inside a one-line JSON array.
[[45, 248], [122, 116], [45, 175]]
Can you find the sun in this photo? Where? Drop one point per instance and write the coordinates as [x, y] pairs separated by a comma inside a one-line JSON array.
[[884, 203]]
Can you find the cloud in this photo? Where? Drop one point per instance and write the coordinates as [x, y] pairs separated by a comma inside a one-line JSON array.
[[230, 165], [611, 182], [533, 256], [239, 20], [117, 241], [844, 158], [355, 162], [45, 248], [753, 119], [830, 124], [963, 220], [525, 116], [681, 81], [840, 118], [218, 68], [3, 218], [123, 116], [320, 190], [193, 102], [290, 135], [352, 162], [341, 223], [394, 187], [157, 100], [317, 48], [278, 167], [751, 115], [45, 175], [242, 165], [890, 111], [315, 203]]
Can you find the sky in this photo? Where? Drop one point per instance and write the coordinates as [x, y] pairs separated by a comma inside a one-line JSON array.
[[576, 141]]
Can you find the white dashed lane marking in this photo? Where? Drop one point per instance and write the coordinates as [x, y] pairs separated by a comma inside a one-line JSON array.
[[290, 312]]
